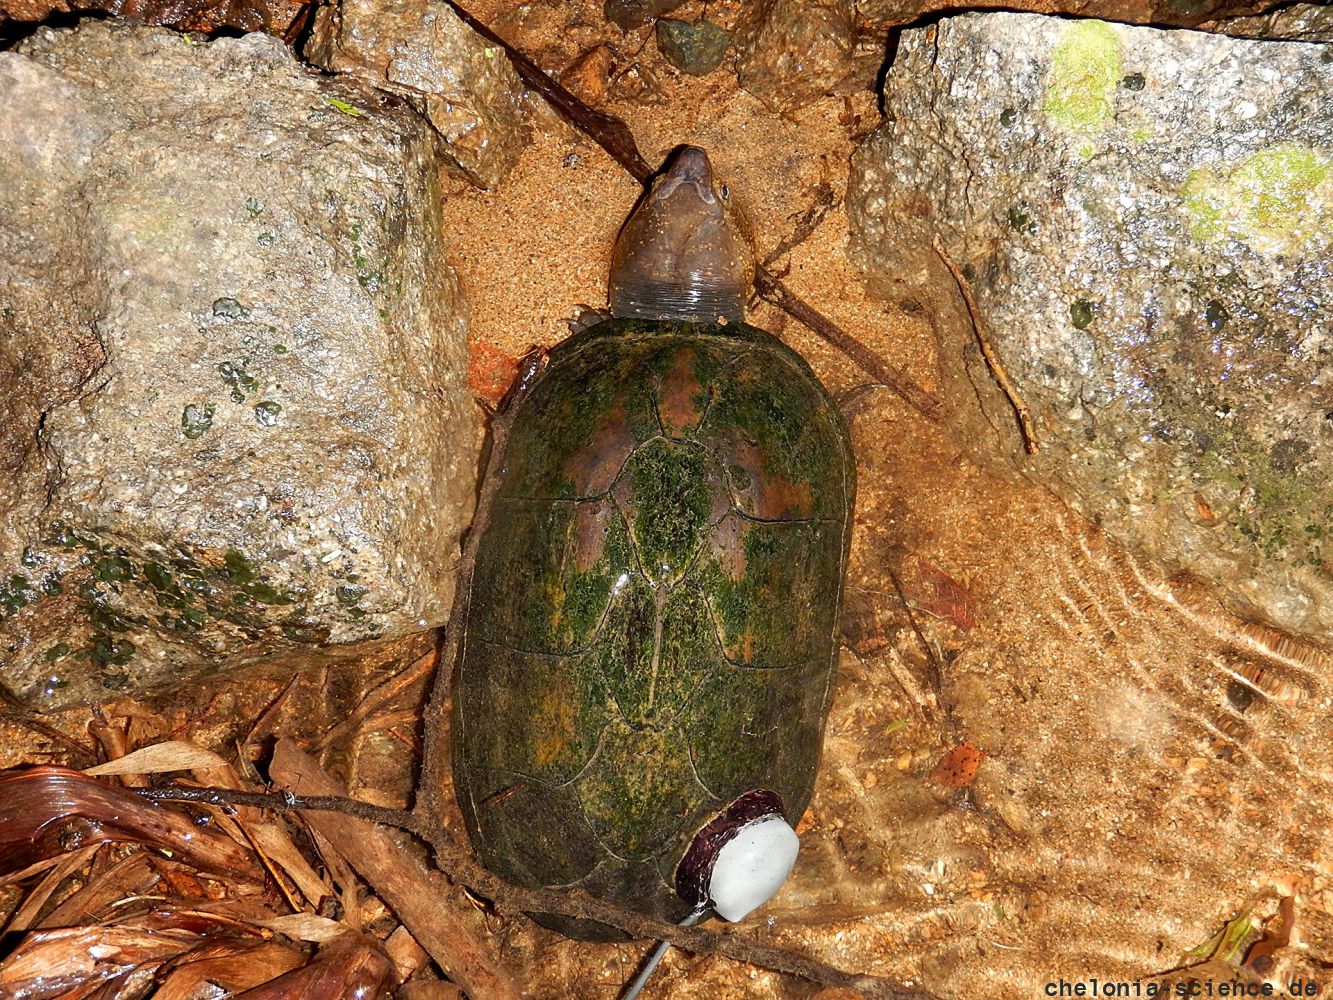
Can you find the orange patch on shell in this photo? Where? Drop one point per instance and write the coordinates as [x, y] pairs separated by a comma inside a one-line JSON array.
[[769, 495], [785, 499], [591, 526], [958, 768], [728, 546], [594, 468], [678, 406]]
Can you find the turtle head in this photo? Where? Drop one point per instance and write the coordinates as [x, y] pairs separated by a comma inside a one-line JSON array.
[[684, 254]]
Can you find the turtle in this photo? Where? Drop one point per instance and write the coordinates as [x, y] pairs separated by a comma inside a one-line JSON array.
[[645, 666]]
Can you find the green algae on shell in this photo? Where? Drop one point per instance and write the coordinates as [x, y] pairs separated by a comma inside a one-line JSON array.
[[651, 634]]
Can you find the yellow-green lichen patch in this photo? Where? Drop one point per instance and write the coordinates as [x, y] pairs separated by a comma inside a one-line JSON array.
[[1278, 200], [1085, 71]]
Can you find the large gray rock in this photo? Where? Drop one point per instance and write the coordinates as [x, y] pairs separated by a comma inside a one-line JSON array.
[[233, 362], [422, 50], [1146, 220], [884, 14]]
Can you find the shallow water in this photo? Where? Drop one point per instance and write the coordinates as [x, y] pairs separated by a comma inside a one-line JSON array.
[[1149, 765]]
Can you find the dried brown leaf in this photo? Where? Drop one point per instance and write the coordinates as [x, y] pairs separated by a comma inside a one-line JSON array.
[[958, 768], [430, 990], [307, 927], [937, 593], [411, 890], [172, 755], [233, 965], [131, 876], [270, 835], [26, 915], [348, 885], [349, 966], [115, 743], [381, 695], [51, 963], [47, 811], [407, 956], [1277, 936]]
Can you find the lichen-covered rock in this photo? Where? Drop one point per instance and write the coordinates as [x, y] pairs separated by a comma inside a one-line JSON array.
[[790, 53], [883, 14], [422, 50], [1146, 221], [234, 363]]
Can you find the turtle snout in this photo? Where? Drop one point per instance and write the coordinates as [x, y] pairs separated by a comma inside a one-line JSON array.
[[691, 166]]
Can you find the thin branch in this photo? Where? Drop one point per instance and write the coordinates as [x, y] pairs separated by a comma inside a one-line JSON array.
[[462, 868], [809, 221], [30, 720], [281, 802], [993, 362], [607, 131], [890, 376], [379, 696]]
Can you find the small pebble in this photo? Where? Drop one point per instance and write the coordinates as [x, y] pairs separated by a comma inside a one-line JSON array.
[[588, 76], [630, 14], [695, 48]]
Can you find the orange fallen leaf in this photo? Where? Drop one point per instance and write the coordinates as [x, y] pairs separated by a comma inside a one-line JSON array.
[[958, 767], [944, 597]]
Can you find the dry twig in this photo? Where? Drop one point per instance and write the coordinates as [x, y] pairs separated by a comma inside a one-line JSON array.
[[380, 696], [993, 362], [407, 887], [463, 869]]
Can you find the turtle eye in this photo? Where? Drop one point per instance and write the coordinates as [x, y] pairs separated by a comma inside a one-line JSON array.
[[724, 192]]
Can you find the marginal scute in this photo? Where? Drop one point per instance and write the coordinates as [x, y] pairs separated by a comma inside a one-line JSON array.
[[554, 839], [561, 730]]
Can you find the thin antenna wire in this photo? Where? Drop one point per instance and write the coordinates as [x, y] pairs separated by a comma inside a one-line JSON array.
[[650, 966]]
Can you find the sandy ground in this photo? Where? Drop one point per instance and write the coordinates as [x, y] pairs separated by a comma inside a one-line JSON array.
[[1148, 766]]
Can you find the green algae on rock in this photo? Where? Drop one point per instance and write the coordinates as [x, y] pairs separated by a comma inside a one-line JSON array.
[[254, 421], [1167, 324]]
